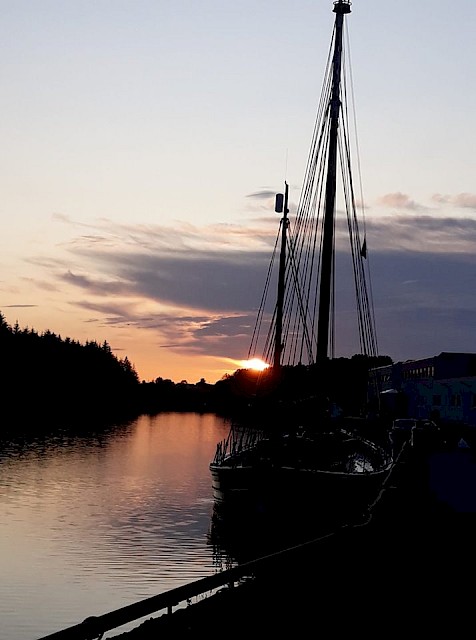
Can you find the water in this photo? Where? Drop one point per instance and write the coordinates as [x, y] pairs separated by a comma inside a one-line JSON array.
[[92, 522]]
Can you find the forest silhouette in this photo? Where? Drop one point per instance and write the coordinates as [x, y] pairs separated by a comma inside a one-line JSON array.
[[47, 381]]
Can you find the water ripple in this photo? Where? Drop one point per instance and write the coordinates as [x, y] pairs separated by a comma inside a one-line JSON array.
[[91, 523]]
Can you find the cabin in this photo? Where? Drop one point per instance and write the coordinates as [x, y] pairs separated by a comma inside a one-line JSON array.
[[441, 388]]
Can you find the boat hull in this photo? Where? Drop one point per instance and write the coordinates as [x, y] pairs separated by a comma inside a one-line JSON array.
[[339, 496]]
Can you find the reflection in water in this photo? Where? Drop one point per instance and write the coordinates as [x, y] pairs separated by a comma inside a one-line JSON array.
[[239, 532], [91, 522]]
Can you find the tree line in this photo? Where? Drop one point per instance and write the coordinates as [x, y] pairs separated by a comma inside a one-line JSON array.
[[47, 380]]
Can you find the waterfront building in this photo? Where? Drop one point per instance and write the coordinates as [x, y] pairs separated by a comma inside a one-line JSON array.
[[441, 388]]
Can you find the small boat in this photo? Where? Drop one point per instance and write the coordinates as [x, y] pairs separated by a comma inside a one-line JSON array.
[[299, 449]]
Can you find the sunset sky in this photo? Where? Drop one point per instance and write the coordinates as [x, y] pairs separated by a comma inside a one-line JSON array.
[[143, 142]]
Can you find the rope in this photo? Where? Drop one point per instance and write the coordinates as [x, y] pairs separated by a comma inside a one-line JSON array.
[[304, 240]]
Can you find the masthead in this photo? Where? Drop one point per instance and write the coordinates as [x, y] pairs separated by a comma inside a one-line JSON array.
[[342, 6]]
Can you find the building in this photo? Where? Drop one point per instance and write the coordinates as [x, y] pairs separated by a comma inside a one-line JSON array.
[[442, 388]]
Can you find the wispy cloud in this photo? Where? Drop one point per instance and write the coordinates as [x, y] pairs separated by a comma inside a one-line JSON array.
[[264, 194], [398, 201], [19, 306], [431, 235], [461, 200], [197, 290]]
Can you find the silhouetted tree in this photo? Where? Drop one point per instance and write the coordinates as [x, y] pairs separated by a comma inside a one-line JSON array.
[[46, 380]]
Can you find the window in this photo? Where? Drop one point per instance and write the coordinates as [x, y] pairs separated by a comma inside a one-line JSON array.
[[437, 400], [455, 400]]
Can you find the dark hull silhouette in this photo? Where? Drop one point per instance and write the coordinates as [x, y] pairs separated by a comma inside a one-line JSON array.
[[334, 475]]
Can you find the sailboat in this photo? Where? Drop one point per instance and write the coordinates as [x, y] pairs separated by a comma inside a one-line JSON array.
[[308, 454]]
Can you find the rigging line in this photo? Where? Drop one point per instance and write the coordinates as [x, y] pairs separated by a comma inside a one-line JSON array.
[[311, 194], [291, 314], [300, 260], [268, 348], [372, 308], [369, 306], [354, 113], [359, 171], [300, 257], [332, 314], [309, 232], [318, 207], [314, 188], [366, 330], [323, 107], [259, 318], [301, 314], [343, 153]]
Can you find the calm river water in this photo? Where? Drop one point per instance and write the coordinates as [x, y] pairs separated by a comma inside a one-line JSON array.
[[95, 521]]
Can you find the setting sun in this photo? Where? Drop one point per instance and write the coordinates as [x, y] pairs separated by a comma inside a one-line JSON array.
[[254, 363]]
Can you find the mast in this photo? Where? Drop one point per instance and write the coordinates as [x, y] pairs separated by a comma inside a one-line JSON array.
[[341, 7], [278, 339]]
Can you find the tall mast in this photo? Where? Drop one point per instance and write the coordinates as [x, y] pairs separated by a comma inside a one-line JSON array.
[[278, 338], [341, 7]]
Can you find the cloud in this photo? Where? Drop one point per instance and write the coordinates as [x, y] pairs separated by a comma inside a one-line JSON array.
[[201, 303], [421, 233], [95, 286], [424, 303], [398, 201], [265, 194], [461, 200], [184, 333], [197, 290], [19, 306], [217, 282]]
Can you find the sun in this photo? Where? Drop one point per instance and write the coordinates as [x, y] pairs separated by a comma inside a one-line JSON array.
[[255, 363]]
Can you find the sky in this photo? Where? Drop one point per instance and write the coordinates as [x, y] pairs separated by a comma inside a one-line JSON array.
[[143, 142]]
